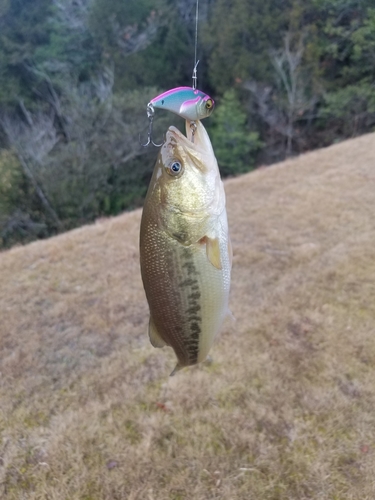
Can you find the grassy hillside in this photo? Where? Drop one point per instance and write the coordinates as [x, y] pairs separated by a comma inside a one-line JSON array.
[[285, 411]]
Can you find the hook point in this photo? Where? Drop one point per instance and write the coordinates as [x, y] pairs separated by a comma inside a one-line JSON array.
[[150, 116]]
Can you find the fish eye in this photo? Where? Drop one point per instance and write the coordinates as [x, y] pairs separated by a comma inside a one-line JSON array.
[[175, 168], [209, 103]]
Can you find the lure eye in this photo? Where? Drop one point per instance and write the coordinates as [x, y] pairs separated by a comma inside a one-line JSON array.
[[209, 103], [175, 168]]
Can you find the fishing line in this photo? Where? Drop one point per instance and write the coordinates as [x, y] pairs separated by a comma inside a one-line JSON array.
[[196, 46], [187, 102]]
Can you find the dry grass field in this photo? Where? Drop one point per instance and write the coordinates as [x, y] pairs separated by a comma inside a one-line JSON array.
[[286, 410]]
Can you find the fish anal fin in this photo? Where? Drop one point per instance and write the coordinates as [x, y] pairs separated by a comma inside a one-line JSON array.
[[213, 251], [154, 335]]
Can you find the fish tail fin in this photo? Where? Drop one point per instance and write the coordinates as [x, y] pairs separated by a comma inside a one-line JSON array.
[[177, 368], [208, 361]]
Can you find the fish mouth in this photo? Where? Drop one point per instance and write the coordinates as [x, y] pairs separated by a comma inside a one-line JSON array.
[[195, 141]]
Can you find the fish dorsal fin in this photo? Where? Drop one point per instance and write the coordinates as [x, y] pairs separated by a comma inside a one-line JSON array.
[[154, 335], [213, 251]]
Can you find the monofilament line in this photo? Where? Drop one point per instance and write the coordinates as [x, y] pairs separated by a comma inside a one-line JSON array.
[[195, 47]]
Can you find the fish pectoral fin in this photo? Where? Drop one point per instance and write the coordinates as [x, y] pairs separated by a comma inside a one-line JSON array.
[[154, 335], [213, 251]]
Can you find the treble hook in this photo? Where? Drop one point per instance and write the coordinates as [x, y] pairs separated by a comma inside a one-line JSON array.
[[150, 116], [193, 128]]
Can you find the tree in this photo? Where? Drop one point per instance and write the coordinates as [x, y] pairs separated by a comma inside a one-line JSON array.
[[238, 38], [349, 104], [95, 168], [295, 97], [31, 143], [19, 206], [292, 99], [145, 39], [23, 28], [235, 147]]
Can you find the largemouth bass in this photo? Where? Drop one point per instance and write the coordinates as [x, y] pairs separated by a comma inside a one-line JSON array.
[[185, 250]]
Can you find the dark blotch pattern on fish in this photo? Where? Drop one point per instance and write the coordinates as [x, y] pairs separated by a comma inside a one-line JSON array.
[[193, 316]]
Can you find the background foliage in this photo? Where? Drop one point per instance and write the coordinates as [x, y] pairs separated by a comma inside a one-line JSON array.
[[75, 76]]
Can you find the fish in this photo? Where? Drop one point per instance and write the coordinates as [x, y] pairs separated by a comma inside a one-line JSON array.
[[189, 103], [185, 248]]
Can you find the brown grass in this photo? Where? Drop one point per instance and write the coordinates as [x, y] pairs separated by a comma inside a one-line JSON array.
[[285, 411]]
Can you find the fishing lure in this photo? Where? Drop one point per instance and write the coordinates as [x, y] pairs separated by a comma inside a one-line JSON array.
[[188, 102]]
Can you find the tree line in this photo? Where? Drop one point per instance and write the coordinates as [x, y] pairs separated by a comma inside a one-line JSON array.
[[76, 75]]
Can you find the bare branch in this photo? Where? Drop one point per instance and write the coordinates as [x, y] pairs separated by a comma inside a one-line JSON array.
[[282, 108], [25, 112]]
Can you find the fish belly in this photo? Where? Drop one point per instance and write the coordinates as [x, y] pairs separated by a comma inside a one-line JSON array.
[[187, 295]]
